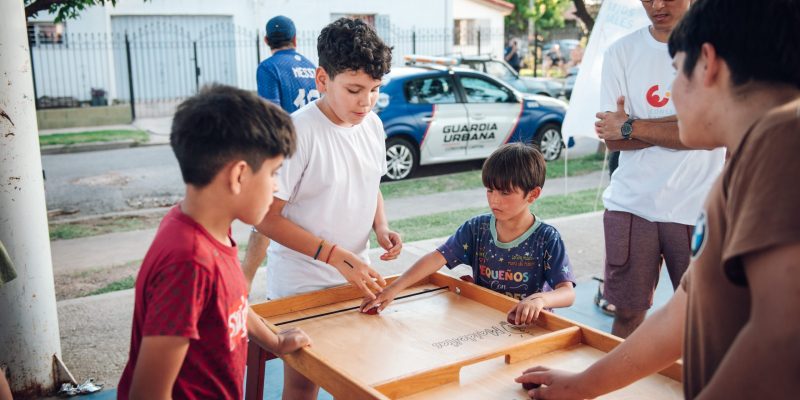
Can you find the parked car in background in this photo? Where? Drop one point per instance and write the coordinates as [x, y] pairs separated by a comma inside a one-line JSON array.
[[497, 68], [565, 45], [436, 114], [569, 82]]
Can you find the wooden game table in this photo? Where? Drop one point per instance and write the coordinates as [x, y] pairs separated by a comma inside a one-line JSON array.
[[447, 339]]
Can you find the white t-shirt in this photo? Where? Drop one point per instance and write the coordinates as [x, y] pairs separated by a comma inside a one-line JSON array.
[[656, 183], [331, 187]]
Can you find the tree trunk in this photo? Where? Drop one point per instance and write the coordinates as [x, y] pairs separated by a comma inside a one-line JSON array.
[[28, 321], [583, 14]]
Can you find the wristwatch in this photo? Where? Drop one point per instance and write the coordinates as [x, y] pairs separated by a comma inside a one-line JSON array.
[[627, 129]]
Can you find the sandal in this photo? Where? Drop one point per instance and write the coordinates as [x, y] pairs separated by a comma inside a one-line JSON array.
[[600, 301]]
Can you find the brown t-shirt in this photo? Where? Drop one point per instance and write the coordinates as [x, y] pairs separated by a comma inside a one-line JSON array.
[[754, 205]]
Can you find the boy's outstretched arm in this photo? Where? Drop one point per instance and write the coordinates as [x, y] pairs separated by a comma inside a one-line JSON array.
[[157, 366], [528, 309], [291, 235], [425, 266], [633, 359], [389, 240], [281, 343]]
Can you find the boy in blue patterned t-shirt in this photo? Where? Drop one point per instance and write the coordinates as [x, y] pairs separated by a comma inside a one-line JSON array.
[[510, 250]]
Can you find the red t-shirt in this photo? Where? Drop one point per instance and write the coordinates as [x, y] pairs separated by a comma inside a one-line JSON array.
[[191, 285]]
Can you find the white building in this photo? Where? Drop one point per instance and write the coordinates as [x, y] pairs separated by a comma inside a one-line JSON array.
[[177, 45]]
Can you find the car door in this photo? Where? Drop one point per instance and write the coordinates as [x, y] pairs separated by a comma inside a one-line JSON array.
[[493, 111], [435, 101]]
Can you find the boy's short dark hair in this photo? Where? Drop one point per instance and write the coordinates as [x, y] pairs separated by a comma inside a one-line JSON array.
[[514, 165], [221, 124], [757, 39], [351, 44]]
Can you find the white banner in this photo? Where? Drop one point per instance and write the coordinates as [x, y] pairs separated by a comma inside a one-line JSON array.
[[616, 19]]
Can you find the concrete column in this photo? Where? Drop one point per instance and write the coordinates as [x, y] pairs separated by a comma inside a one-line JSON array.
[[29, 337]]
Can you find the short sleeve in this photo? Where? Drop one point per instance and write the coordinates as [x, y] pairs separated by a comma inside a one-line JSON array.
[[459, 248], [763, 196], [612, 81], [175, 298], [291, 172], [555, 262], [381, 134], [268, 84]]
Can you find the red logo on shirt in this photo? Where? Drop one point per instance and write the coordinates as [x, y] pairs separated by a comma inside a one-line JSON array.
[[654, 99], [237, 324]]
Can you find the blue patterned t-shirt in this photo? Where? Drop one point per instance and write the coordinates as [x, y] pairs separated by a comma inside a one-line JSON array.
[[517, 269]]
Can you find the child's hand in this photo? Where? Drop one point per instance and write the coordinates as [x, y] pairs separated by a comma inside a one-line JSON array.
[[527, 310], [382, 301], [390, 241], [357, 272], [291, 340]]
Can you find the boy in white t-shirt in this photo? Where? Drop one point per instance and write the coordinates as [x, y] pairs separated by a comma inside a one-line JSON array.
[[329, 195]]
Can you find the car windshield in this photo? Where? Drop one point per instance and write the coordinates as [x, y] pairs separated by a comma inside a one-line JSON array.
[[499, 70]]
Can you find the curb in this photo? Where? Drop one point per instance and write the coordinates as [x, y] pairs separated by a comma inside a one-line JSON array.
[[94, 146]]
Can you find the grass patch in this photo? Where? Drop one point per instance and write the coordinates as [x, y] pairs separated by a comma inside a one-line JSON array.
[[79, 229], [93, 137], [472, 179], [445, 223], [122, 284]]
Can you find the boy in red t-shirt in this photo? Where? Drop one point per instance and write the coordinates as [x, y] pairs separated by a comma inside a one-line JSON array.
[[191, 319]]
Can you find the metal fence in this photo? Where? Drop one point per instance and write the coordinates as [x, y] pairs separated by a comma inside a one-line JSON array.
[[155, 66]]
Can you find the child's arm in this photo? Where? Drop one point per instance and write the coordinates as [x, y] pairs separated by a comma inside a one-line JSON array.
[[282, 343], [389, 240], [157, 366], [425, 266], [291, 235], [527, 310]]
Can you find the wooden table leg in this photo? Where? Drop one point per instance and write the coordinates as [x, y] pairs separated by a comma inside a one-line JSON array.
[[256, 366]]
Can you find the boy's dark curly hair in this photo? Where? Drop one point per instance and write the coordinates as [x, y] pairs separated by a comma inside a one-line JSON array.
[[351, 44]]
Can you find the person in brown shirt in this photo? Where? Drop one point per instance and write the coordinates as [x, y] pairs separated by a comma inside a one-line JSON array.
[[736, 318]]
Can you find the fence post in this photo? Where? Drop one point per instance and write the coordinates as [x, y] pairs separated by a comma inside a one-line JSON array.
[[479, 41], [130, 77], [414, 42], [33, 74], [196, 68], [258, 48]]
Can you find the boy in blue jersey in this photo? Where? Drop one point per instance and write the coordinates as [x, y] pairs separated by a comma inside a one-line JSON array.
[[510, 250], [286, 78]]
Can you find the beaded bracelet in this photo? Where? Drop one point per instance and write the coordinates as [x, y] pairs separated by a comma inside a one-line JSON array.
[[319, 248], [330, 254]]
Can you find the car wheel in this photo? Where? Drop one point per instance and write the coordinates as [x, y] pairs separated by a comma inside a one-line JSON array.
[[549, 141], [402, 158]]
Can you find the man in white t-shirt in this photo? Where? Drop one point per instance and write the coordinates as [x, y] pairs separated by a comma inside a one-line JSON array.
[[656, 193], [329, 197]]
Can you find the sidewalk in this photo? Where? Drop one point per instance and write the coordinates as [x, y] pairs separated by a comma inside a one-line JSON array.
[[157, 128], [94, 252], [95, 330]]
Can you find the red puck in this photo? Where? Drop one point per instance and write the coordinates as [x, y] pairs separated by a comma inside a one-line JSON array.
[[372, 311], [529, 385], [467, 278]]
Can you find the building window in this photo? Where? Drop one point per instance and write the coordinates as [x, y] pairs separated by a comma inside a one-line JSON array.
[[40, 33]]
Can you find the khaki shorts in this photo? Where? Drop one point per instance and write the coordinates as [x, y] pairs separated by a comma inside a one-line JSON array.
[[635, 250]]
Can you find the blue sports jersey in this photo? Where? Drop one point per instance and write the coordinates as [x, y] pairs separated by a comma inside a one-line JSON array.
[[517, 269], [287, 78]]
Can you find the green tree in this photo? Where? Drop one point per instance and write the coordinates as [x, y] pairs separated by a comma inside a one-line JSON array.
[[547, 14], [63, 9]]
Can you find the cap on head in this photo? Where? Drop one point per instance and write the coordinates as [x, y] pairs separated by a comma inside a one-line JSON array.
[[280, 28]]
